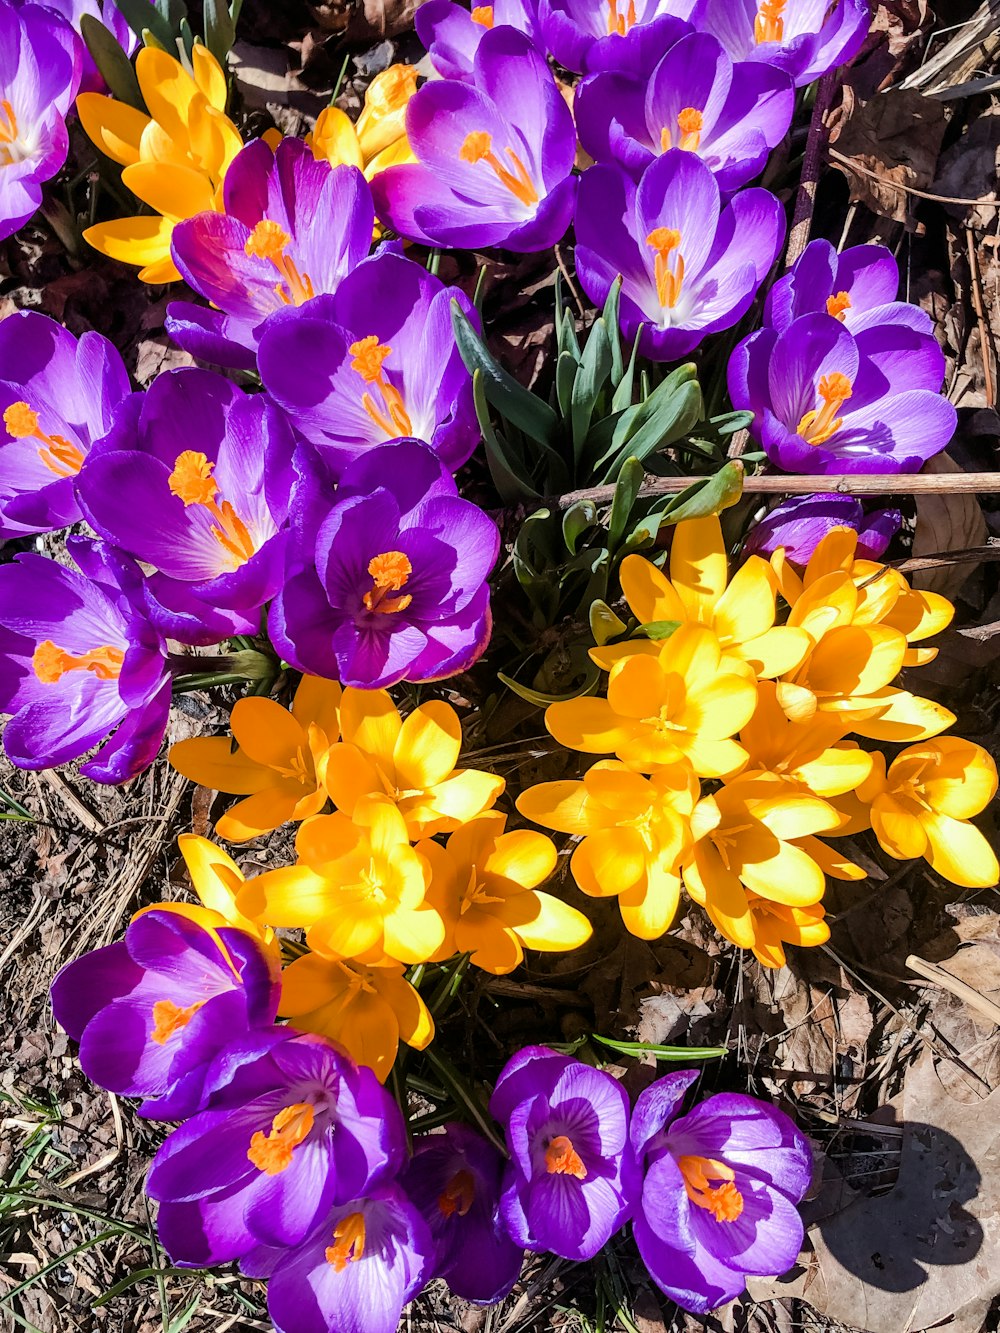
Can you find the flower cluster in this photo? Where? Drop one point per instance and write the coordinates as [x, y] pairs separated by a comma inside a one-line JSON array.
[[710, 688]]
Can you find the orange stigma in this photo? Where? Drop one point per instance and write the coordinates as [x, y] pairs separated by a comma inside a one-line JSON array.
[[483, 14], [390, 415], [268, 241], [389, 572], [478, 147], [769, 26], [9, 134], [458, 1195], [170, 1018], [272, 1152], [57, 453], [51, 663], [619, 24], [838, 305], [193, 484], [665, 240], [562, 1159], [689, 122], [723, 1200], [348, 1242], [818, 426]]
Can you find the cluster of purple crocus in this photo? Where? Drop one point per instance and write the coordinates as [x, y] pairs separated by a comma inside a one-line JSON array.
[[292, 1161]]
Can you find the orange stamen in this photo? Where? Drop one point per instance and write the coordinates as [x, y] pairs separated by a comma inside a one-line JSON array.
[[723, 1201], [58, 454], [769, 26], [193, 484], [483, 14], [51, 663], [562, 1159], [348, 1242], [689, 122], [664, 240], [458, 1195], [9, 134], [391, 415], [837, 305], [272, 1152], [268, 241], [478, 147], [619, 24], [818, 426], [389, 572], [170, 1018]]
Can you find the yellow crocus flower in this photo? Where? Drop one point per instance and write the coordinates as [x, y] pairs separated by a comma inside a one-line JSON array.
[[813, 755], [175, 158], [776, 924], [378, 138]]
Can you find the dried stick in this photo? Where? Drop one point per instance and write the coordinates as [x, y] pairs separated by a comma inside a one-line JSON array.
[[940, 977], [985, 343], [812, 165]]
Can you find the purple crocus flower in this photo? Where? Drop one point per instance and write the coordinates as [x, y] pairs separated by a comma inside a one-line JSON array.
[[719, 1190], [805, 37], [689, 267], [209, 518], [691, 96], [40, 62], [387, 582], [289, 1130], [452, 33], [572, 1175], [292, 228], [57, 397], [495, 155], [800, 524], [80, 664], [152, 1011], [377, 361], [354, 1273], [825, 400], [586, 35], [455, 1180], [857, 287]]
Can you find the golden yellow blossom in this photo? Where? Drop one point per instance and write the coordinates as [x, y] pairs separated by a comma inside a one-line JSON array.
[[378, 138]]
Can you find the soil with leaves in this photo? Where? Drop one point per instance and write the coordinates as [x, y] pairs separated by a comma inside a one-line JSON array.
[[884, 1045]]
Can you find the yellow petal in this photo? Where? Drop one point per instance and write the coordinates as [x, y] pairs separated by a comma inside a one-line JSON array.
[[609, 862], [317, 700], [693, 652], [215, 875], [427, 747], [698, 567], [564, 806], [467, 793], [714, 759], [960, 853], [346, 930], [397, 154], [318, 996], [903, 717], [113, 126], [791, 876], [797, 702], [708, 881], [719, 707], [139, 240], [835, 771], [830, 861], [958, 779], [168, 90], [287, 896], [261, 813], [522, 857], [898, 830], [611, 653], [159, 271], [542, 921], [856, 660], [416, 1024], [834, 553], [212, 762], [648, 591], [746, 608], [413, 936], [587, 724], [336, 139], [920, 614], [775, 652], [494, 947], [209, 76], [383, 116], [348, 776], [793, 815], [370, 720], [386, 826], [266, 732], [648, 909], [176, 192]]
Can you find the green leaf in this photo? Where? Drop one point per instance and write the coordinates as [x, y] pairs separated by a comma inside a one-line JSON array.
[[142, 17], [567, 368], [514, 402], [507, 470], [112, 63], [595, 367], [576, 520], [626, 489], [187, 36], [657, 629], [543, 700], [220, 29], [174, 11], [610, 316], [662, 1052], [623, 393], [668, 415], [568, 341], [707, 497], [605, 624]]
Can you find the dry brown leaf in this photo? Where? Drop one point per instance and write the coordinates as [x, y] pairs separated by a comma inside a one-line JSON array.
[[970, 169], [946, 523], [894, 140]]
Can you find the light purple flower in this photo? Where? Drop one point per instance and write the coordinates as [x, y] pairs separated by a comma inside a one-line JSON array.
[[194, 480], [455, 1180], [290, 1129], [826, 401], [585, 35], [689, 266], [805, 37], [40, 62], [572, 1175], [153, 1011], [495, 155], [375, 362], [800, 524], [719, 1190], [57, 398], [106, 12], [292, 229], [80, 664], [354, 1273], [452, 33], [690, 96], [387, 580], [857, 287]]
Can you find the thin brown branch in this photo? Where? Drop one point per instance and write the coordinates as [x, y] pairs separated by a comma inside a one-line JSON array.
[[812, 166], [853, 165]]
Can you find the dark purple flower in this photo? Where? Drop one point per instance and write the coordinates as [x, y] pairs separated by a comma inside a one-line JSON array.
[[572, 1175], [858, 287], [153, 1011], [455, 1180], [194, 480], [805, 37], [825, 400], [495, 155], [81, 664], [57, 397], [690, 96], [452, 34], [388, 581], [354, 1273], [291, 1129], [585, 35], [292, 228], [40, 62], [719, 1190], [689, 267], [800, 524], [375, 362]]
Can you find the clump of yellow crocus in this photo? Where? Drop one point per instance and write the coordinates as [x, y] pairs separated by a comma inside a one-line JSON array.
[[378, 138]]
